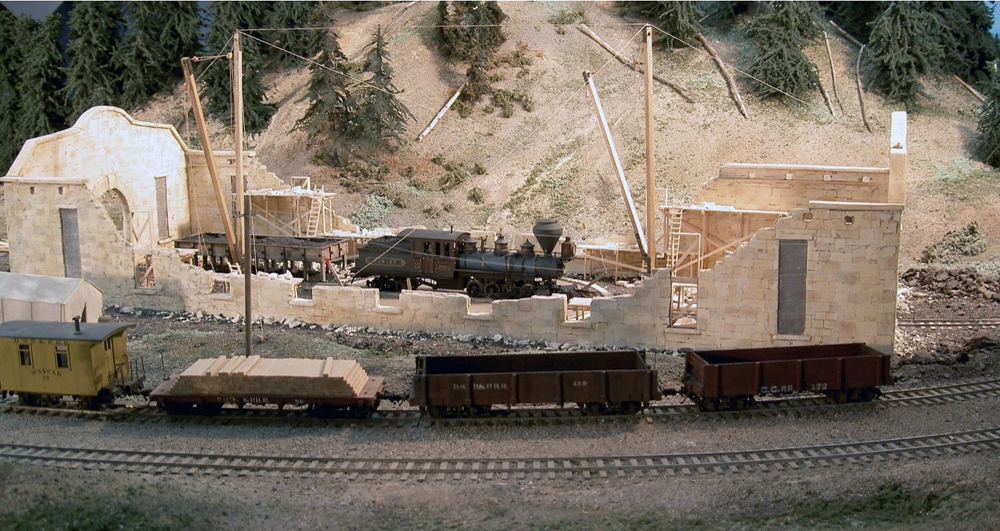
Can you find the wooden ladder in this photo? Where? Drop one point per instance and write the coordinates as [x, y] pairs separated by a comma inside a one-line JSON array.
[[674, 236], [314, 213]]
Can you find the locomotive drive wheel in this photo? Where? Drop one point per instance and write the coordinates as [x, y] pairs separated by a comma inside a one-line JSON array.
[[492, 290], [474, 288], [527, 290]]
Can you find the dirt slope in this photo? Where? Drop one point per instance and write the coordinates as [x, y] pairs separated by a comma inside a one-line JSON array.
[[552, 161]]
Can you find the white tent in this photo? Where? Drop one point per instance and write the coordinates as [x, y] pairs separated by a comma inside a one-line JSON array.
[[41, 298]]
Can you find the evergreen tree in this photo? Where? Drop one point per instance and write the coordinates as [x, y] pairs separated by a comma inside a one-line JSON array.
[[95, 30], [903, 49], [10, 62], [381, 115], [328, 111], [855, 17], [780, 34], [292, 15], [964, 32], [227, 17], [468, 27], [159, 34], [679, 19], [987, 148], [42, 109]]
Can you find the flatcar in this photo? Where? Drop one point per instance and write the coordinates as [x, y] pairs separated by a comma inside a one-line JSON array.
[[598, 382], [731, 379], [43, 361], [326, 387], [455, 260]]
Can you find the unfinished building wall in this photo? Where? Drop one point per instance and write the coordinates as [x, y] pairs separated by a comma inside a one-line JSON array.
[[782, 187]]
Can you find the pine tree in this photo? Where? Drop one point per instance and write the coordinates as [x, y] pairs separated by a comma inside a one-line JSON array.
[[42, 83], [468, 27], [987, 148], [964, 33], [227, 17], [679, 19], [903, 49], [292, 15], [95, 30], [10, 62], [158, 35], [381, 115], [855, 17], [328, 94], [780, 34]]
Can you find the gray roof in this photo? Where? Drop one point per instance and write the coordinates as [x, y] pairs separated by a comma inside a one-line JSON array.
[[39, 288], [60, 331]]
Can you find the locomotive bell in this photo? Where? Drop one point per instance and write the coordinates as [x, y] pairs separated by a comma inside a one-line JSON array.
[[547, 232]]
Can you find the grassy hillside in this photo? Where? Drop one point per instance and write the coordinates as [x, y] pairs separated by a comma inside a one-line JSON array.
[[552, 161]]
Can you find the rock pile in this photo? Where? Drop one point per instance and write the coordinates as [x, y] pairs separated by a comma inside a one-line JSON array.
[[953, 282]]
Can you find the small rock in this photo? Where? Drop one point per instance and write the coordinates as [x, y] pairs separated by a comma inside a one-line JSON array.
[[498, 337], [941, 275], [199, 315]]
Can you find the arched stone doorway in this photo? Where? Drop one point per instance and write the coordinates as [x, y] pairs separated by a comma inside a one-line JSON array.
[[116, 206]]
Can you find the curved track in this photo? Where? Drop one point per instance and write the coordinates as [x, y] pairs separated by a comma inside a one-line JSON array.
[[570, 467]]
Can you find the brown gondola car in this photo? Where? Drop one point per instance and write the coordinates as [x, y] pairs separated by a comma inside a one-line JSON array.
[[730, 379], [596, 381]]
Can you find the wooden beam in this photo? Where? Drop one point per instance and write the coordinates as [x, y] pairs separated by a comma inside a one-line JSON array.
[[206, 145], [735, 92], [724, 248], [681, 90], [650, 155], [640, 237], [441, 112], [861, 93], [238, 135]]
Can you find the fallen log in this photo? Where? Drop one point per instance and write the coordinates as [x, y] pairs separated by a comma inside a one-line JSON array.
[[681, 90], [735, 92], [846, 35], [861, 91], [441, 112], [833, 72], [970, 88]]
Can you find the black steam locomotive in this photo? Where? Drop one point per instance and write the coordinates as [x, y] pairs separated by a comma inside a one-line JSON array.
[[455, 260]]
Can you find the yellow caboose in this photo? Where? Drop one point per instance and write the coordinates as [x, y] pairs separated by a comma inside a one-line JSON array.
[[43, 361]]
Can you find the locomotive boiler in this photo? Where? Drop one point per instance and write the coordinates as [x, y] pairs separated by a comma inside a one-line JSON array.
[[455, 260]]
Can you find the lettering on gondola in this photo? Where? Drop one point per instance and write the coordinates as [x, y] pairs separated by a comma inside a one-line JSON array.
[[490, 386]]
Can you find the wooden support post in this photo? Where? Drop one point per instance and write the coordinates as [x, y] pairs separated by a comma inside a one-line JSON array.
[[650, 156], [681, 90], [833, 72], [441, 112], [735, 92], [640, 237], [238, 132], [206, 145], [247, 273], [861, 93]]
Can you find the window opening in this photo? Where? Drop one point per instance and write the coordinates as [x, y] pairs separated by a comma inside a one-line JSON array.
[[62, 357], [792, 260], [25, 353]]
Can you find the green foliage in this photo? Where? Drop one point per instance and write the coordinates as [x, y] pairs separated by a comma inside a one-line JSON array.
[[679, 19], [10, 61], [379, 115], [967, 241], [158, 35], [41, 87], [304, 43], [372, 211], [470, 27], [477, 195], [964, 32], [855, 17], [328, 94], [566, 16], [987, 147], [227, 18], [95, 30], [780, 34], [903, 49]]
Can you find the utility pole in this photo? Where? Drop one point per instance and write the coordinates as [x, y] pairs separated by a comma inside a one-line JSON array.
[[650, 178], [247, 263], [238, 133]]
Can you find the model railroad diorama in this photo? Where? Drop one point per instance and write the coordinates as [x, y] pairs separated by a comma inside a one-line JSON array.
[[44, 362]]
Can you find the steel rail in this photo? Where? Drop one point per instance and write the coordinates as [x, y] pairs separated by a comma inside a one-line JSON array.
[[459, 468], [949, 323]]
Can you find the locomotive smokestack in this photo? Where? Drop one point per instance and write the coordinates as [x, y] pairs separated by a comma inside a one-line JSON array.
[[547, 232]]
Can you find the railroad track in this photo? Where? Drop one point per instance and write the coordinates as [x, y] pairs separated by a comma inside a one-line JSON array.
[[967, 324], [922, 396], [445, 469]]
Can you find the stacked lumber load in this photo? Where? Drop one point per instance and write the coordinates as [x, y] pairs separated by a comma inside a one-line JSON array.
[[272, 377]]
